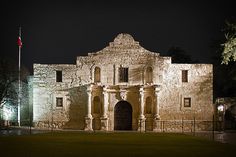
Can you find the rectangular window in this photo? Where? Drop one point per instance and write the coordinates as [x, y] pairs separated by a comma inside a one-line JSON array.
[[59, 102], [187, 102], [184, 75], [123, 74], [59, 76]]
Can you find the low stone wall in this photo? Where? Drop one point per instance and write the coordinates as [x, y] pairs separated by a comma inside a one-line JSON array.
[[165, 125], [48, 124], [186, 125]]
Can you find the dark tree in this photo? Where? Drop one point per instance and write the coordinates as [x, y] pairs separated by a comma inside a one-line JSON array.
[[9, 78], [224, 75], [179, 55]]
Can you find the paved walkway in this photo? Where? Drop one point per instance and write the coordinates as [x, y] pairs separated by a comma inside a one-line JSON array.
[[224, 136], [20, 131], [220, 136]]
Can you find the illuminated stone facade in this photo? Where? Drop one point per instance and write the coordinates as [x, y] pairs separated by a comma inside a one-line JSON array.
[[121, 87]]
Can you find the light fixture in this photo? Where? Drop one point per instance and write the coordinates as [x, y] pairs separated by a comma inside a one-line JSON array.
[[220, 108]]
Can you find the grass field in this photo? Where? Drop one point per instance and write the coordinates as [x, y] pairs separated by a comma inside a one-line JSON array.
[[111, 144]]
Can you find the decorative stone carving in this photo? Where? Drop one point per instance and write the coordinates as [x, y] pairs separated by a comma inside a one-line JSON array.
[[141, 124], [123, 94], [88, 124], [104, 124]]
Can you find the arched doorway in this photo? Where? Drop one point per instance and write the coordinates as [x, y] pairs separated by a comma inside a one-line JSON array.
[[123, 116]]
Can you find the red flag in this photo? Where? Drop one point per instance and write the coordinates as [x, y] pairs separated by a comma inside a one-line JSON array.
[[19, 42]]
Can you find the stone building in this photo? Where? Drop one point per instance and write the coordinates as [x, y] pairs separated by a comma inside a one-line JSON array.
[[121, 87]]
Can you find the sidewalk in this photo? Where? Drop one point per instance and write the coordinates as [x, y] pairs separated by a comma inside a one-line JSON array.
[[10, 131], [228, 136]]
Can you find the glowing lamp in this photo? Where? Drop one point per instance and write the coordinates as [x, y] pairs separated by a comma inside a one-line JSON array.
[[220, 108]]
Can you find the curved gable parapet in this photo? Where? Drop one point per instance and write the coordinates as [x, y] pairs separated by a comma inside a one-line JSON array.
[[122, 44], [124, 39], [123, 50]]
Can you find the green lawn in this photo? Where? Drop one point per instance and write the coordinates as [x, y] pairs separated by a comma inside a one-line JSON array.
[[112, 144]]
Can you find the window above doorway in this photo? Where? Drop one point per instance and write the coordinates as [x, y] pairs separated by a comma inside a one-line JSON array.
[[123, 74]]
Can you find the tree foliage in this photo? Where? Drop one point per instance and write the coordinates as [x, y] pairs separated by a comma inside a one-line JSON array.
[[224, 75], [229, 47]]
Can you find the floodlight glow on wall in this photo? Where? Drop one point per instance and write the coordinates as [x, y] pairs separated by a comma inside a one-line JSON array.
[[7, 113]]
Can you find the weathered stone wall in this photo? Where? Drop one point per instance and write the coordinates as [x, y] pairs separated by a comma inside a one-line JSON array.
[[123, 52], [45, 91], [199, 88]]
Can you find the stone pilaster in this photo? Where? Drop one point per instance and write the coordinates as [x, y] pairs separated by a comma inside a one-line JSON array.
[[88, 117], [141, 123], [104, 118], [157, 118]]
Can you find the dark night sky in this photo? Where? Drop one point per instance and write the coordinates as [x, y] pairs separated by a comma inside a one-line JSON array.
[[57, 32]]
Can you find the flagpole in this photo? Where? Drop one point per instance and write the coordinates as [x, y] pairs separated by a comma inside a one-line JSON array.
[[19, 78]]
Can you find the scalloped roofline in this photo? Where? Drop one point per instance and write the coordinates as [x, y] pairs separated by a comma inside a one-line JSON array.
[[123, 40]]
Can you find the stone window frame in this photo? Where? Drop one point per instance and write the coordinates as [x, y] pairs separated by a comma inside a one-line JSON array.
[[64, 97], [59, 99], [185, 76], [189, 99], [59, 76], [124, 79]]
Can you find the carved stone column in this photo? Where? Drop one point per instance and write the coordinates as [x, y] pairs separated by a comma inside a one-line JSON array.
[[104, 118], [141, 123], [157, 118], [88, 117]]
